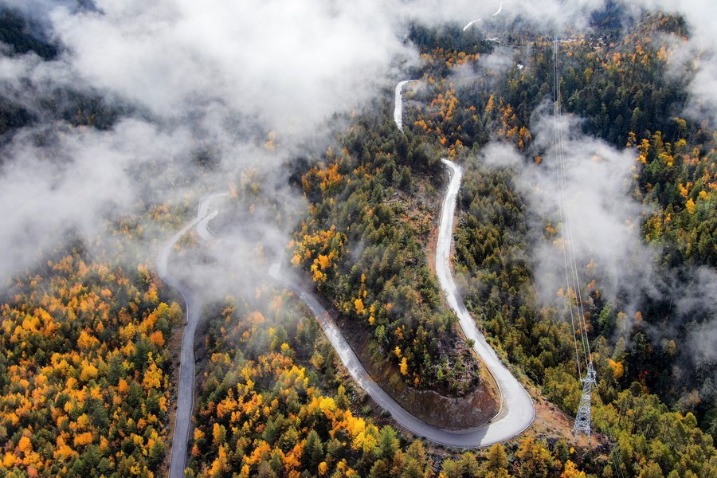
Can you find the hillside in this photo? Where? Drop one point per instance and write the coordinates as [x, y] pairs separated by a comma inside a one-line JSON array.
[[588, 156]]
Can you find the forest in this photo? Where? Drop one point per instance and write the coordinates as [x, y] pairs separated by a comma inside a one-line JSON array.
[[86, 370], [90, 342]]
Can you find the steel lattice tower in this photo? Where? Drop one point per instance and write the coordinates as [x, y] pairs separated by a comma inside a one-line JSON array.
[[582, 419]]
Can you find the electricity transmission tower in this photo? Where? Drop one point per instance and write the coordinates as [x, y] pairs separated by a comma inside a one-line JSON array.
[[582, 419]]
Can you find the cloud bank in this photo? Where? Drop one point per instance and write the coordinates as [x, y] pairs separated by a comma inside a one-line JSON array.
[[191, 79], [583, 190], [214, 78]]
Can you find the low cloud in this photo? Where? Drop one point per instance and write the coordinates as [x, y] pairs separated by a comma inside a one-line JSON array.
[[698, 303], [501, 155], [68, 180], [286, 65], [213, 79], [240, 85], [583, 190]]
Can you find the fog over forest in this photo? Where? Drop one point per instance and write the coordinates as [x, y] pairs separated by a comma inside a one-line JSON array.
[[187, 98]]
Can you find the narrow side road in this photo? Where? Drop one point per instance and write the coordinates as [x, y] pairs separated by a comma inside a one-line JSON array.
[[185, 387], [398, 104]]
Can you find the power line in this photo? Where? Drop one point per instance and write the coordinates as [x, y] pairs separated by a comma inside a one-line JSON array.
[[572, 277], [557, 141], [560, 176]]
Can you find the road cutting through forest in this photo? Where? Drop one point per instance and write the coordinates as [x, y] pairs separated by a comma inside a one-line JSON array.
[[516, 408], [192, 306]]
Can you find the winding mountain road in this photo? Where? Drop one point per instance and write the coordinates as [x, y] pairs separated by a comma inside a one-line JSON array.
[[516, 411], [185, 387]]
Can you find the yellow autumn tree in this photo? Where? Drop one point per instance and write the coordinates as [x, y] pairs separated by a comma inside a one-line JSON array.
[[358, 304]]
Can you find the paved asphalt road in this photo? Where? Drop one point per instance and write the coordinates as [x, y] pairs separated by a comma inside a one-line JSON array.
[[185, 387], [516, 412]]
